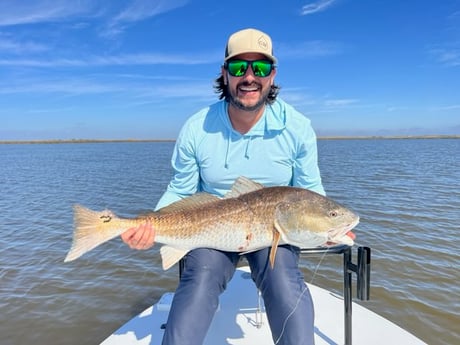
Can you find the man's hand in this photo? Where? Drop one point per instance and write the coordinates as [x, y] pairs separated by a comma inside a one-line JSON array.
[[141, 238]]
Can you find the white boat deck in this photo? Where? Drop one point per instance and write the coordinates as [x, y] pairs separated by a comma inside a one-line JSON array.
[[237, 319]]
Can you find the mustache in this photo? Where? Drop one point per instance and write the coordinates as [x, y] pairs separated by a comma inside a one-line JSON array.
[[248, 84]]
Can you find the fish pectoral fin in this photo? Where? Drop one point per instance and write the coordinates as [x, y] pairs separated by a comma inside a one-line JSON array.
[[274, 248], [171, 255]]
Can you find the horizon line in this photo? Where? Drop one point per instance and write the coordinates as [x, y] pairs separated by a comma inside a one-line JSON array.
[[340, 137]]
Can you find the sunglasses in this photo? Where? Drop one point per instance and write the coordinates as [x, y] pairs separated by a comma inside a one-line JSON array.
[[238, 68]]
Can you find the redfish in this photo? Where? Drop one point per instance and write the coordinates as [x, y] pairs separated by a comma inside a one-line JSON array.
[[250, 217]]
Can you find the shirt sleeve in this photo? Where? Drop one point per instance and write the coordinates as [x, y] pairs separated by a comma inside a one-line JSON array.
[[185, 180], [306, 172]]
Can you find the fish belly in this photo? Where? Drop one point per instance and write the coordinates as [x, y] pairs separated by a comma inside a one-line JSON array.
[[227, 238]]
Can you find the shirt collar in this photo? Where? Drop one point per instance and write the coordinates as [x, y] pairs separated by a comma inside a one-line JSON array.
[[273, 119]]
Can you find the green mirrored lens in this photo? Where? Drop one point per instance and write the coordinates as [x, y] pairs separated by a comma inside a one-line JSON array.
[[261, 68], [238, 68]]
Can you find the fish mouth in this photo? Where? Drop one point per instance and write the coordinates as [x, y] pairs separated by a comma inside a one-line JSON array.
[[339, 235]]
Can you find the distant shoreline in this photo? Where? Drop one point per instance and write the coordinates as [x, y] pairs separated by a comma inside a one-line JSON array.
[[86, 141], [447, 136]]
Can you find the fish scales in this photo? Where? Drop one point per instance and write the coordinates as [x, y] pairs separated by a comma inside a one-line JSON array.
[[222, 225]]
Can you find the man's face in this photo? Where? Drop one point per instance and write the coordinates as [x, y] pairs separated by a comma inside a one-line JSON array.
[[248, 92]]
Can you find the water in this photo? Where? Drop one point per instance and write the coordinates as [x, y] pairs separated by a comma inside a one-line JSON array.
[[407, 193]]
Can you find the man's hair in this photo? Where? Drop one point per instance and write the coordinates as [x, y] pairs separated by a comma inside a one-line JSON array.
[[222, 90]]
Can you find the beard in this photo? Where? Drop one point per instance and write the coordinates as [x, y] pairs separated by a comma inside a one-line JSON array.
[[233, 99]]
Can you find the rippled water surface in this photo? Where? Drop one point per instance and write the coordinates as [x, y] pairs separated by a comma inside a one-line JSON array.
[[407, 193]]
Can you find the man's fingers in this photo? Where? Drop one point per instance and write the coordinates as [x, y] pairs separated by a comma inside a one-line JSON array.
[[148, 236], [128, 234], [141, 237]]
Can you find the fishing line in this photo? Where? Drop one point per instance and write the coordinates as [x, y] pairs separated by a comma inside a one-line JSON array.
[[317, 266], [290, 314], [306, 289], [300, 297]]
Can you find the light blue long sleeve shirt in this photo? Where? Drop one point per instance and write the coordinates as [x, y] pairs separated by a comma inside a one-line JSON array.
[[209, 155]]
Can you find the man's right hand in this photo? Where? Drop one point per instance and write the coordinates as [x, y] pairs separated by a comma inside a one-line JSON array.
[[141, 237]]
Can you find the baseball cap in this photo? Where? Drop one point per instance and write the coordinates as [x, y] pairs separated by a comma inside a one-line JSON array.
[[249, 41]]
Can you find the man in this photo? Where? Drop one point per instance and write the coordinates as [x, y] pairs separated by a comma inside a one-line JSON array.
[[250, 133]]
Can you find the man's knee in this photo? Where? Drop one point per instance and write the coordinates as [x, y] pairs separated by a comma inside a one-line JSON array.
[[208, 268]]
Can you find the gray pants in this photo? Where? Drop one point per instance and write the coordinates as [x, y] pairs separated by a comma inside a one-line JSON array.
[[206, 273]]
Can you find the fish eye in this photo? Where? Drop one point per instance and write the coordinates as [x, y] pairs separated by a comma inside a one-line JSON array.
[[333, 213]]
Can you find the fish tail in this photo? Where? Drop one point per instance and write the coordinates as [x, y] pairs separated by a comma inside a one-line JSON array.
[[92, 228]]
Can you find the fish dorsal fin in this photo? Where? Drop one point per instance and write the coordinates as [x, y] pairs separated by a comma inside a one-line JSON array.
[[171, 255], [241, 186], [190, 203]]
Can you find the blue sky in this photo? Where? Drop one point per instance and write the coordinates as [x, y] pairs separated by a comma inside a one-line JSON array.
[[137, 69]]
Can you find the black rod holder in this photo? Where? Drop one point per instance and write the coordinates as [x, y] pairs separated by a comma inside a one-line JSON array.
[[363, 274], [362, 270], [347, 296]]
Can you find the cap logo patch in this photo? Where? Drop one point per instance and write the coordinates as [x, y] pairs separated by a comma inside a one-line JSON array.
[[263, 43]]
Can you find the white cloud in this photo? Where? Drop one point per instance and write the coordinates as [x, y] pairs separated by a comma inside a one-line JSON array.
[[114, 60], [317, 6], [115, 15], [13, 12], [310, 49], [8, 46], [447, 53], [139, 10], [136, 87], [60, 86], [340, 102], [448, 57], [446, 107]]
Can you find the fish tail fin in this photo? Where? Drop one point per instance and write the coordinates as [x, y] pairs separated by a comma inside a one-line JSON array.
[[91, 229]]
